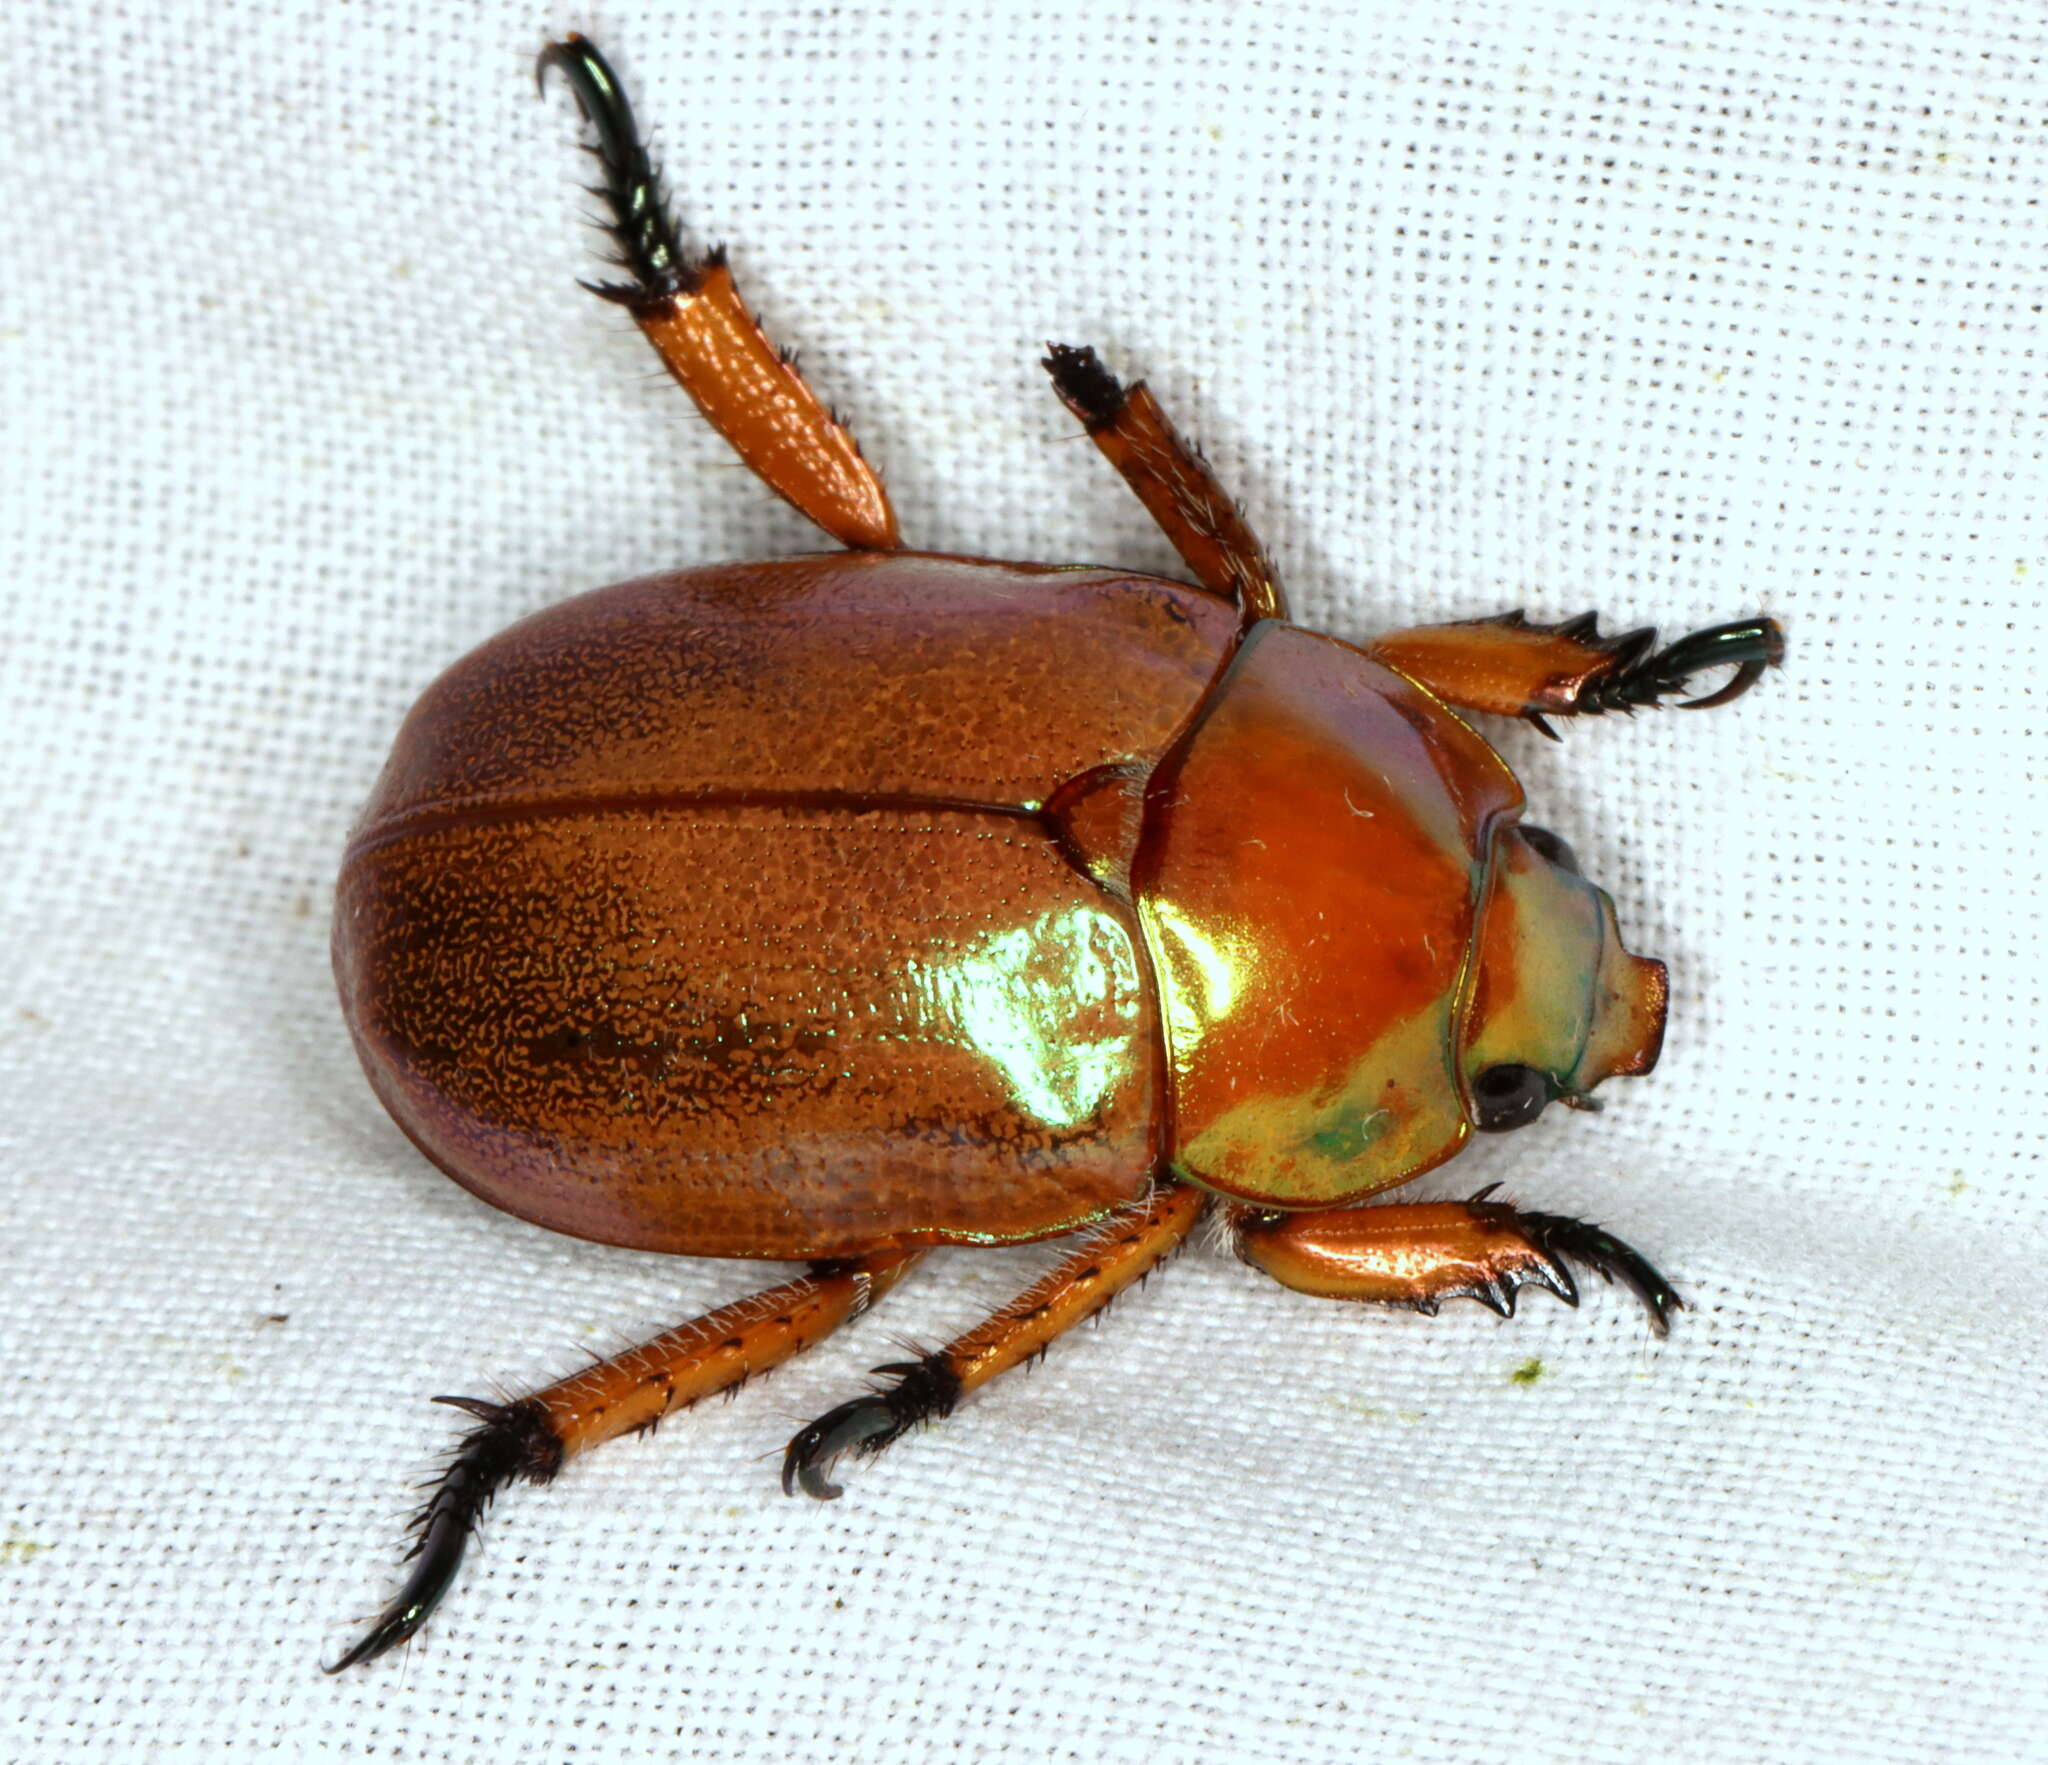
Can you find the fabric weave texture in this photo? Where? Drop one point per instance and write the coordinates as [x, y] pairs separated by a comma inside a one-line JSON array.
[[1678, 311]]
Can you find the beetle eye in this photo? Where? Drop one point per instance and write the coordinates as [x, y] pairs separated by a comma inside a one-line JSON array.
[[1506, 1097], [1552, 848]]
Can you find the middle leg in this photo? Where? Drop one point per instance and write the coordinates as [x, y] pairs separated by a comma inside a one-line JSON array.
[[1124, 1248], [1172, 480]]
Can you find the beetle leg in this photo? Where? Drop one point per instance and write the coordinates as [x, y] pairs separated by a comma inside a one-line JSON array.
[[1513, 668], [532, 1439], [1420, 1254], [1172, 480], [691, 311], [1124, 1248]]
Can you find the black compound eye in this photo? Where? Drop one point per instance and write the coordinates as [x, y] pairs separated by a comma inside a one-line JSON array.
[[1552, 848], [1506, 1097]]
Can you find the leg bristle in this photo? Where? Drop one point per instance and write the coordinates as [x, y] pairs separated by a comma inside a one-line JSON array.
[[649, 246]]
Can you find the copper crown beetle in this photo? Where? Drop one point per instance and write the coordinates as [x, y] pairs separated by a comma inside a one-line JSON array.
[[836, 907]]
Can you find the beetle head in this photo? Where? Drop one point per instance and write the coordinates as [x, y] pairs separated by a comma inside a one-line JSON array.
[[1557, 1004]]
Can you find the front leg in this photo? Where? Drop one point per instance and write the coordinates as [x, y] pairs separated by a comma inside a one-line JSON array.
[[1515, 669], [1421, 1253]]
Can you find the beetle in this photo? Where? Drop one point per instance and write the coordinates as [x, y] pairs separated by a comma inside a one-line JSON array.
[[832, 908]]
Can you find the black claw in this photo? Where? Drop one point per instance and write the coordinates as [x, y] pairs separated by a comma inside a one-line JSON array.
[[1640, 674], [1496, 1293], [515, 1441], [924, 1390], [1745, 677], [1748, 645], [863, 1422], [1556, 1274], [1556, 1237], [640, 221]]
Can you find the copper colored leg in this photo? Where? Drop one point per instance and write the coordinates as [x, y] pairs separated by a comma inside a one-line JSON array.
[[1172, 480], [532, 1439], [691, 311], [1124, 1248], [754, 396], [1422, 1253], [1515, 669]]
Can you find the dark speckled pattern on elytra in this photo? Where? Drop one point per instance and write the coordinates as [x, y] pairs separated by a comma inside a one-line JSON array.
[[672, 923], [862, 674]]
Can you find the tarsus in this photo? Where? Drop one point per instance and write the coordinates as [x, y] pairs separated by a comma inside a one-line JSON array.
[[641, 224]]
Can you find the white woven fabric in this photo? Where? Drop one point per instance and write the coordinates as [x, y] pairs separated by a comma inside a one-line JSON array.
[[1677, 311]]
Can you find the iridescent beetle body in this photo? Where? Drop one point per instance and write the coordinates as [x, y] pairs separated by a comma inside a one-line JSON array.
[[834, 908]]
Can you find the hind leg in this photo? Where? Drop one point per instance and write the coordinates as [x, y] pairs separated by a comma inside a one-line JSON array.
[[530, 1440], [691, 311]]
